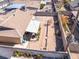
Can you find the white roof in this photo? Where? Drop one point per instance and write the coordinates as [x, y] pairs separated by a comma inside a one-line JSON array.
[[78, 18], [74, 13], [15, 5], [33, 26]]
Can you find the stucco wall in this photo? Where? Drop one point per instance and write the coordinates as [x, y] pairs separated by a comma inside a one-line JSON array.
[[63, 33], [9, 40]]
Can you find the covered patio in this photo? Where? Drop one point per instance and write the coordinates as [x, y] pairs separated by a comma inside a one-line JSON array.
[[33, 28]]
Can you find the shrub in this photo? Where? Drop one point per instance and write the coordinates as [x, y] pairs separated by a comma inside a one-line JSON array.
[[38, 34], [42, 6], [19, 54], [39, 56]]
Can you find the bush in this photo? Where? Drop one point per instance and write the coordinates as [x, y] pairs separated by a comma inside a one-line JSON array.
[[42, 6], [39, 56], [38, 34], [19, 54]]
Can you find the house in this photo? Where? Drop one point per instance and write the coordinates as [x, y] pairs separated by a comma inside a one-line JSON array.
[[13, 28], [75, 4], [3, 3]]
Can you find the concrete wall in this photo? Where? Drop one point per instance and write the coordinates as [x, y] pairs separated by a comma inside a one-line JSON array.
[[9, 39], [63, 33], [52, 54]]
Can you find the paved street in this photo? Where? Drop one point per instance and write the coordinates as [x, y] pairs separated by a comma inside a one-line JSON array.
[[6, 52]]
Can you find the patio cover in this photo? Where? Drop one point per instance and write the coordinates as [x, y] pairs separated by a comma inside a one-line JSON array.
[[15, 5], [33, 26]]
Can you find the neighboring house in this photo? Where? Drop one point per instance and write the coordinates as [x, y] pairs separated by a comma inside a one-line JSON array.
[[3, 3], [75, 3], [13, 28]]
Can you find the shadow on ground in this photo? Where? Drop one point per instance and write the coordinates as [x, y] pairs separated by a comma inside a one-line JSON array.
[[59, 42], [43, 13], [32, 8]]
